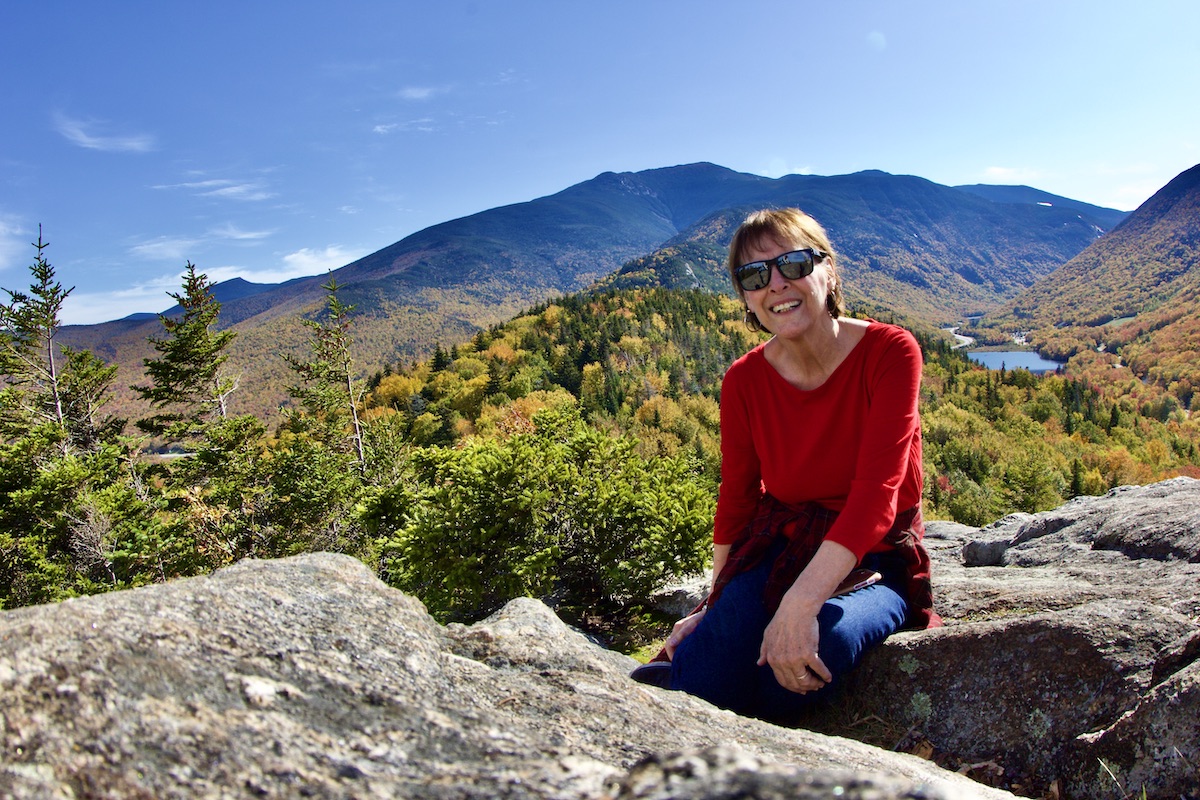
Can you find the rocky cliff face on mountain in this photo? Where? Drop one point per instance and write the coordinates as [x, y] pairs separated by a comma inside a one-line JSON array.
[[1068, 668]]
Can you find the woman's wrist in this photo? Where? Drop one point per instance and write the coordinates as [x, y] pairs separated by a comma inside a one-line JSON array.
[[801, 602]]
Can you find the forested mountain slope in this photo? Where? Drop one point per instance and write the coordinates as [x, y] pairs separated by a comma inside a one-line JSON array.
[[1132, 294]]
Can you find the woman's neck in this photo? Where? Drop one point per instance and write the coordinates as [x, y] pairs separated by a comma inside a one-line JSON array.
[[807, 362]]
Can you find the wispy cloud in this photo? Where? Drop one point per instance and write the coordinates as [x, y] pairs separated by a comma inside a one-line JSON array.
[[14, 244], [504, 78], [421, 93], [189, 248], [84, 134], [151, 296], [231, 231], [224, 188], [167, 248], [423, 125], [778, 167]]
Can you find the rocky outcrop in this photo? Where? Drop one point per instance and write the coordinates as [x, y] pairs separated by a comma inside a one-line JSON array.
[[1071, 654], [308, 677], [1068, 667]]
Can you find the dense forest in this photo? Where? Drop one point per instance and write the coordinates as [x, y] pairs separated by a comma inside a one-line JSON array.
[[570, 453]]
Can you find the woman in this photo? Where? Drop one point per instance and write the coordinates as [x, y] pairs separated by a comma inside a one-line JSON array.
[[820, 475]]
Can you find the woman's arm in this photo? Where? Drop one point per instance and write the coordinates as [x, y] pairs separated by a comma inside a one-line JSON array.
[[720, 556], [790, 641]]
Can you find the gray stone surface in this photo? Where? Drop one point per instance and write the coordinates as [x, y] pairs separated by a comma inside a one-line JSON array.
[[1068, 662], [308, 677], [1071, 636], [1068, 668]]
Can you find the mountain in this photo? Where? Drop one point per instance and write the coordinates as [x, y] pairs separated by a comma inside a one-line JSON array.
[[1027, 195], [906, 244], [1133, 293], [230, 291]]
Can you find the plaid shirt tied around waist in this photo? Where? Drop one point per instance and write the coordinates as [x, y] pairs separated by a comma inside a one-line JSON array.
[[804, 526]]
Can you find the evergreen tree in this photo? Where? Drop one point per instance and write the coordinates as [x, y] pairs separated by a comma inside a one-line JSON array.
[[65, 518], [329, 390], [441, 360], [1076, 478], [187, 384], [46, 383]]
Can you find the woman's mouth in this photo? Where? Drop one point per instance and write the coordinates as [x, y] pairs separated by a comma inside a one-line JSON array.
[[782, 307]]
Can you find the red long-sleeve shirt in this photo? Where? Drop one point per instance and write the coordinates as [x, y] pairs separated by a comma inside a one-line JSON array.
[[852, 444]]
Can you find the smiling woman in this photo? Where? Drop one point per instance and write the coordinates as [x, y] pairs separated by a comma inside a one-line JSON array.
[[821, 475]]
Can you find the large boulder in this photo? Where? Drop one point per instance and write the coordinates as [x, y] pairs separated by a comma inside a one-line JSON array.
[[1069, 659], [308, 677]]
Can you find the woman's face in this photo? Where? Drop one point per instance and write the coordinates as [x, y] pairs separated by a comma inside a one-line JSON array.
[[785, 307]]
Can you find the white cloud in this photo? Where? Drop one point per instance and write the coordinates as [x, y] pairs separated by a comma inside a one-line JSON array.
[[166, 248], [312, 262], [80, 132], [152, 296], [90, 308], [300, 264], [231, 231], [223, 187], [877, 40], [778, 167], [420, 93], [424, 125]]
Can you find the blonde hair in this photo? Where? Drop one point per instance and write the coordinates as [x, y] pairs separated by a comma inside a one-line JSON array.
[[789, 227]]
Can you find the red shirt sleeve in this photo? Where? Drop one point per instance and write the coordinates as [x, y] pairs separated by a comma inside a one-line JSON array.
[[741, 473]]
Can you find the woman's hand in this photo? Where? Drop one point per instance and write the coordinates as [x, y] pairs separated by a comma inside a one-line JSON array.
[[790, 641], [682, 630], [790, 646]]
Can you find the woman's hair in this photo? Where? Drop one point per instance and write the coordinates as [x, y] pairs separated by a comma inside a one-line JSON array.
[[789, 227]]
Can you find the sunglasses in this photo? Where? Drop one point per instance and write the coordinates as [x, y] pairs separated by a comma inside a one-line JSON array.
[[793, 266]]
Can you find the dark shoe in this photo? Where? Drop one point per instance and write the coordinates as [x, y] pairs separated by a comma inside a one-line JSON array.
[[656, 673]]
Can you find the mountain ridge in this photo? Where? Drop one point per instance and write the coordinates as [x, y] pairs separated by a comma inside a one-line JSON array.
[[929, 250]]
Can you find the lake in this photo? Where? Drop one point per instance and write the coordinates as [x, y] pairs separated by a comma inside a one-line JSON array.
[[1014, 359]]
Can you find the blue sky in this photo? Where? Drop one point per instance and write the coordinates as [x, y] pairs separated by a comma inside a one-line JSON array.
[[272, 140]]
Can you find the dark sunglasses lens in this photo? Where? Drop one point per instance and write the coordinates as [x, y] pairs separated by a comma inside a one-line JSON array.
[[795, 266], [754, 276]]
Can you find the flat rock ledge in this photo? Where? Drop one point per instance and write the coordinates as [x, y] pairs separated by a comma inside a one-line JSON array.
[[1068, 668]]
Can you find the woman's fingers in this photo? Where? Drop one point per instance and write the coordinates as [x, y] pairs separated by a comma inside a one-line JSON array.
[[681, 630]]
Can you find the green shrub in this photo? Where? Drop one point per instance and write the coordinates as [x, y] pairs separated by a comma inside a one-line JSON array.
[[565, 512]]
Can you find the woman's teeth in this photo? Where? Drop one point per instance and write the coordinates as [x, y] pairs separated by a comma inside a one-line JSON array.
[[779, 309]]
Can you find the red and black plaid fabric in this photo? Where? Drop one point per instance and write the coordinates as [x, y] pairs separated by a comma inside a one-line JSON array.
[[804, 526]]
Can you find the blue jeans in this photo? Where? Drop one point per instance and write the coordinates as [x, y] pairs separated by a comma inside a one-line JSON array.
[[718, 661]]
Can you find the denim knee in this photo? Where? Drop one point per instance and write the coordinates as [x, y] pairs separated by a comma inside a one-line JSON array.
[[718, 662]]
